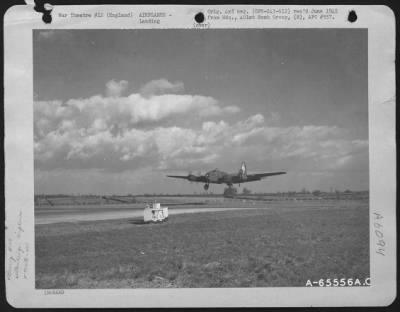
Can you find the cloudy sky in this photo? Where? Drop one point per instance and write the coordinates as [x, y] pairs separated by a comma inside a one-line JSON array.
[[117, 110]]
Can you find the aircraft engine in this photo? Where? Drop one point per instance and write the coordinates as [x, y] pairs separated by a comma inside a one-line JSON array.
[[191, 177]]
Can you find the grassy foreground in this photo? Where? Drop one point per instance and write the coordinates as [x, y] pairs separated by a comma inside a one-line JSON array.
[[243, 248]]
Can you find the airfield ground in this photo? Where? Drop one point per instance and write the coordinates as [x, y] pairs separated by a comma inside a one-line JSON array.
[[278, 245]]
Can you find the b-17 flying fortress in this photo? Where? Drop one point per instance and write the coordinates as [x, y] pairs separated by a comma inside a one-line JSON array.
[[217, 176]]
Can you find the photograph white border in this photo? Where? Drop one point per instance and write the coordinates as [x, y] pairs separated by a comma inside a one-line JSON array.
[[19, 21]]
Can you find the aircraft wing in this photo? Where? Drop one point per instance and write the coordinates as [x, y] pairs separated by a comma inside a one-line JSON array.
[[178, 177], [259, 176], [191, 178]]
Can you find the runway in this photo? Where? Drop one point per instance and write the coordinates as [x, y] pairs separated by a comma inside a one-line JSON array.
[[67, 214], [201, 249], [80, 213]]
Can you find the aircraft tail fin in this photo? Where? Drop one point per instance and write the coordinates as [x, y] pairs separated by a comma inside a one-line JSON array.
[[243, 170]]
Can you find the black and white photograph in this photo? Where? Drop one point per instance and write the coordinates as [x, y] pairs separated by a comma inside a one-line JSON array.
[[179, 158], [245, 157]]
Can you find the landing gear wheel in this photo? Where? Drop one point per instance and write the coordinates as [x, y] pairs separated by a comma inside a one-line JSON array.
[[206, 186]]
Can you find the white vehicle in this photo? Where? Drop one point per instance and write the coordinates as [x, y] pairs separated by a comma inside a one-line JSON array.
[[155, 213]]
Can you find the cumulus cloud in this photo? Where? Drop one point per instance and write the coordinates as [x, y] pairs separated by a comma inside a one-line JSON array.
[[115, 88], [120, 113], [161, 86], [125, 132], [87, 127], [177, 147]]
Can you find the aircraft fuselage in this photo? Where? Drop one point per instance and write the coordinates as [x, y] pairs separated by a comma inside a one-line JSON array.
[[220, 177]]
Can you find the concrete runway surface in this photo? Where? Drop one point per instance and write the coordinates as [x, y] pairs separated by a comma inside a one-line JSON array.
[[59, 215]]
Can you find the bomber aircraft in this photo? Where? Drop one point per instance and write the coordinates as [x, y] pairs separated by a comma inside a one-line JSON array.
[[220, 177]]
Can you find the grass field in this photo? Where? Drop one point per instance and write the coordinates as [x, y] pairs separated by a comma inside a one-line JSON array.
[[49, 201], [243, 248]]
